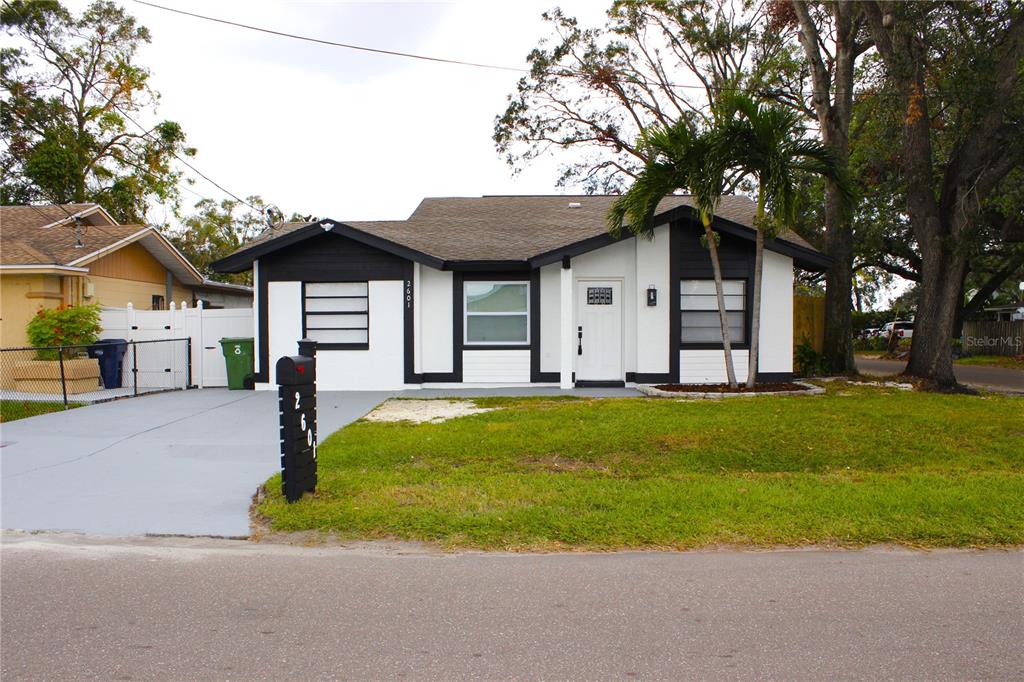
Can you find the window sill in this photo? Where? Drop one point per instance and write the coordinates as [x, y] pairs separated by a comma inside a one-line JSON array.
[[495, 346], [342, 346], [712, 346]]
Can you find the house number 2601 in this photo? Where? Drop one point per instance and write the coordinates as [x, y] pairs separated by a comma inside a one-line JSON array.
[[304, 426]]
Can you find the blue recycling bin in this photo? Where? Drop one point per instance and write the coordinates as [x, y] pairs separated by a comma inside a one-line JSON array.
[[110, 353]]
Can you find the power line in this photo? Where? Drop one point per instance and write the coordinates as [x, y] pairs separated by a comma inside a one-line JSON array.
[[332, 43]]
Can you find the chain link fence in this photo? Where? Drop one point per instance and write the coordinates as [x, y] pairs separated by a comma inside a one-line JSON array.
[[108, 369]]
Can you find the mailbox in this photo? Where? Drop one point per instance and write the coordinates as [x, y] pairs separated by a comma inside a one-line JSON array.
[[296, 394]]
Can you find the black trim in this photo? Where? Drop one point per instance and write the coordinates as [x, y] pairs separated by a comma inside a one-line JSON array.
[[440, 378], [242, 260], [650, 377], [535, 326], [409, 349], [338, 346], [675, 327], [547, 378], [457, 323], [773, 377], [599, 384], [263, 375], [577, 248]]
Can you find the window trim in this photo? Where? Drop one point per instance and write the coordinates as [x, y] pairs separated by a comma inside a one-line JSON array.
[[338, 346], [744, 344], [494, 345]]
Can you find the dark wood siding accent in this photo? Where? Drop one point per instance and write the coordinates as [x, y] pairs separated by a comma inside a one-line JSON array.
[[408, 301], [535, 374], [691, 260], [332, 258]]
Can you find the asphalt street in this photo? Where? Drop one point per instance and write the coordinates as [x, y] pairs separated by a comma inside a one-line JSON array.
[[81, 607], [1000, 378]]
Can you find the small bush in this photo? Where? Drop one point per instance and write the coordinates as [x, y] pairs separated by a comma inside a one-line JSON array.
[[64, 326], [809, 362]]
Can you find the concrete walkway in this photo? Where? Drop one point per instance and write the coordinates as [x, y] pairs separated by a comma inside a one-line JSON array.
[[170, 608], [181, 463], [998, 378]]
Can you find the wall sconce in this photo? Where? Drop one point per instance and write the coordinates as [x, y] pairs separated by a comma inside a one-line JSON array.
[[652, 296]]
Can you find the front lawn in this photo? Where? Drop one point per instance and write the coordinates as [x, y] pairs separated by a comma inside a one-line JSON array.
[[859, 465], [11, 410]]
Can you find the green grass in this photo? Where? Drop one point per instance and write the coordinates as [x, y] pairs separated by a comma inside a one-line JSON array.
[[992, 361], [11, 410], [859, 465]]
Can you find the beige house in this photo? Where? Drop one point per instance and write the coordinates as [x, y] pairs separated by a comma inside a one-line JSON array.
[[76, 253]]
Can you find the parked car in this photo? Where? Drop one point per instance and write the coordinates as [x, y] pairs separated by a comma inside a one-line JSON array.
[[904, 329], [869, 333]]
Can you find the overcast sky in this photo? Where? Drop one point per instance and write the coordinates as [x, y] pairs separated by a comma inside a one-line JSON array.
[[334, 132]]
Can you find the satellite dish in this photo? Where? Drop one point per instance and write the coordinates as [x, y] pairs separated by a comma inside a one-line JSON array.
[[272, 215]]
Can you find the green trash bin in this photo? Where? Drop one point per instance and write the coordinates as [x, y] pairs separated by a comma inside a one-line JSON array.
[[238, 356]]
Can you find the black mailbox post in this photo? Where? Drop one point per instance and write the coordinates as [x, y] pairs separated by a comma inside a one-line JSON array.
[[296, 393]]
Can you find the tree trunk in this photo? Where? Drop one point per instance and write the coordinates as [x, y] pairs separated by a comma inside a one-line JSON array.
[[755, 315], [838, 348], [834, 112], [931, 355], [730, 371]]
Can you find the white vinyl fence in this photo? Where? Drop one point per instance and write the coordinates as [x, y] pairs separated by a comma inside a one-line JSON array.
[[205, 327]]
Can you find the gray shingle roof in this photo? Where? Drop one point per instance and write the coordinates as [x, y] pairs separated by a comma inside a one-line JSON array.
[[513, 228]]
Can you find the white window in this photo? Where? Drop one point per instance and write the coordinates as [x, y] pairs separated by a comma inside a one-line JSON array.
[[699, 304], [496, 313], [337, 314]]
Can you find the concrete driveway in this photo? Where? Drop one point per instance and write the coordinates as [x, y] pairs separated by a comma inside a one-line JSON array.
[[182, 463]]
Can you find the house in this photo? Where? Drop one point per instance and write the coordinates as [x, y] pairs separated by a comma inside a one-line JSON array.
[[510, 290], [76, 253]]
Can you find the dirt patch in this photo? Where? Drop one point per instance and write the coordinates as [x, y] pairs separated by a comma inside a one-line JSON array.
[[724, 388], [556, 463], [424, 411]]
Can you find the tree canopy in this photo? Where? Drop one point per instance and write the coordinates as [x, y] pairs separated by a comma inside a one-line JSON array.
[[72, 90]]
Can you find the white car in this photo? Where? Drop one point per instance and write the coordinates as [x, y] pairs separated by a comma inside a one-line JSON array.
[[904, 329]]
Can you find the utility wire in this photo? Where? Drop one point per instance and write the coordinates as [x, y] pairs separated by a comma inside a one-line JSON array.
[[332, 43], [480, 65]]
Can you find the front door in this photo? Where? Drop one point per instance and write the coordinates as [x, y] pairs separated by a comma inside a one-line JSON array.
[[599, 330]]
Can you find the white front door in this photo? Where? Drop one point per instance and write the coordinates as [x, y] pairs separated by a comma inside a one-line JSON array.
[[599, 330]]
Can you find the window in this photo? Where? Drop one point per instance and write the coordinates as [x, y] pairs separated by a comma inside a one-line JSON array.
[[156, 302], [497, 313], [699, 304], [337, 314]]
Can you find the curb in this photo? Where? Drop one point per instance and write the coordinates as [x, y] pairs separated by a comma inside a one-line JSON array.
[[653, 392]]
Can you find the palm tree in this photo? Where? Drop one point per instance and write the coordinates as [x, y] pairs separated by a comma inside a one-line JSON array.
[[768, 143], [680, 158]]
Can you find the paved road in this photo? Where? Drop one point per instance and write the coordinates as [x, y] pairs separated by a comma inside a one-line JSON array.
[[1001, 378], [172, 608]]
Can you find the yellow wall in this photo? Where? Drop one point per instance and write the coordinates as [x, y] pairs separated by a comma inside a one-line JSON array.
[[131, 262], [118, 293], [20, 297], [129, 275]]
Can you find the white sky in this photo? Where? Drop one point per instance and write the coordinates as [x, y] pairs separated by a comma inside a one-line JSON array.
[[339, 133]]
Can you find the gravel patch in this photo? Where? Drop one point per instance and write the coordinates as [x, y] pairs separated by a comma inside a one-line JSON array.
[[423, 411]]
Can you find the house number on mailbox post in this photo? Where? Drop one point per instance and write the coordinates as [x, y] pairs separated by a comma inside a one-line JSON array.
[[296, 393]]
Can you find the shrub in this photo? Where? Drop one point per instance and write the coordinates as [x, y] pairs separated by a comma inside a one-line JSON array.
[[64, 326], [809, 362]]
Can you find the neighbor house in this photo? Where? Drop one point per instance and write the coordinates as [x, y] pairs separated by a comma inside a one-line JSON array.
[[509, 290], [76, 253]]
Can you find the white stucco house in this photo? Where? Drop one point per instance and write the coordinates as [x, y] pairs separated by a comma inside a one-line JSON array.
[[518, 290]]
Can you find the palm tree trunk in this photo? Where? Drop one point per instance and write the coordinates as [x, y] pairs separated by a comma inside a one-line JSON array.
[[730, 371], [755, 315]]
